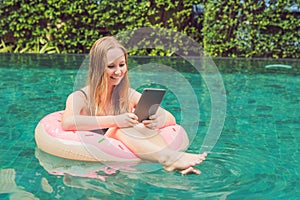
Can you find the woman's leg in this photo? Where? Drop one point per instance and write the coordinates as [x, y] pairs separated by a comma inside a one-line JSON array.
[[148, 145]]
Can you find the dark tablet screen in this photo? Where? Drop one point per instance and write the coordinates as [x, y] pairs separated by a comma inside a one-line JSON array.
[[149, 103]]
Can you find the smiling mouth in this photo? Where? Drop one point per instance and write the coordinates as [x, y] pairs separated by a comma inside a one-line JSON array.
[[112, 77]]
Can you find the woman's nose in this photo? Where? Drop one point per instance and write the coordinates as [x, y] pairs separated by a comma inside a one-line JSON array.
[[118, 70]]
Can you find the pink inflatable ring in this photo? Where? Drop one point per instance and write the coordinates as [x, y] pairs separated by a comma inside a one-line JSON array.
[[90, 146]]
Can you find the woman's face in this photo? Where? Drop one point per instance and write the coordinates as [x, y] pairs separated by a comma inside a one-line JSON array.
[[116, 66]]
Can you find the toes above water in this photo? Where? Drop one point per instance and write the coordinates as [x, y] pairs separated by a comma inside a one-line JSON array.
[[190, 170]]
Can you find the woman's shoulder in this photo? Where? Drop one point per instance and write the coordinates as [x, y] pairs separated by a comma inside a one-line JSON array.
[[134, 95], [80, 93], [133, 92], [84, 89]]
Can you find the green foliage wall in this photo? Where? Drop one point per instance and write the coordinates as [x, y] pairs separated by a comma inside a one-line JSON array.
[[73, 26], [67, 25], [232, 28], [252, 28], [133, 14]]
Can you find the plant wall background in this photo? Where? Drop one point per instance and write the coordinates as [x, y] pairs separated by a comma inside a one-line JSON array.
[[230, 28]]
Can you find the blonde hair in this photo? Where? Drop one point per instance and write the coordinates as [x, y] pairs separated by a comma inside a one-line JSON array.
[[97, 80]]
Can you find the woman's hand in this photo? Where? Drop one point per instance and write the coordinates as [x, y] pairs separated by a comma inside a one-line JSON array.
[[126, 120], [155, 121]]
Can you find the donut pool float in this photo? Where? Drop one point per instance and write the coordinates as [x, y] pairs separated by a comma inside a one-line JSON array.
[[95, 147]]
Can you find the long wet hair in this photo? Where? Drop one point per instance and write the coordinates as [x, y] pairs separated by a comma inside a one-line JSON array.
[[97, 80]]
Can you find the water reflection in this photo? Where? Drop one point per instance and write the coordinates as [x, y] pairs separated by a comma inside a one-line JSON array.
[[8, 186], [113, 178], [65, 167]]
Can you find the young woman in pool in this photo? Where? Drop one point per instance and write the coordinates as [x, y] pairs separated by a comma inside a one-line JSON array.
[[107, 103]]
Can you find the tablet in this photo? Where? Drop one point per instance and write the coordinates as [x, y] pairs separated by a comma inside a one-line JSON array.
[[149, 103]]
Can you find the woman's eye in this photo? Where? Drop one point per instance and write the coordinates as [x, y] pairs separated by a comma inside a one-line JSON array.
[[110, 66], [122, 65]]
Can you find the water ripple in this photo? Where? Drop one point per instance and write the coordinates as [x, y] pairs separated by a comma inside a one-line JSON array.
[[241, 173]]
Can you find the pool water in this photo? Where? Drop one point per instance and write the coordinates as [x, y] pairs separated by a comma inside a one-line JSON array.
[[256, 157]]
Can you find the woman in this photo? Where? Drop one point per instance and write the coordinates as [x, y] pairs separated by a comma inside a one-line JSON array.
[[107, 103]]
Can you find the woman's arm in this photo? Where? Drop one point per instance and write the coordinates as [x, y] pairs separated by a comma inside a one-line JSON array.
[[169, 118], [76, 118]]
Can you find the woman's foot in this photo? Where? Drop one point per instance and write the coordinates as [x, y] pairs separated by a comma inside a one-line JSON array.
[[184, 162], [190, 170]]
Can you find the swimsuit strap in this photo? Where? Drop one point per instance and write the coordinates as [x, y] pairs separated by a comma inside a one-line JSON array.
[[83, 92]]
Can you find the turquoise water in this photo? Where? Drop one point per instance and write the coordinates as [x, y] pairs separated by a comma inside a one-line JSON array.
[[256, 156]]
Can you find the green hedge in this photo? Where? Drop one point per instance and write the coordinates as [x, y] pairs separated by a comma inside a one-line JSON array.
[[252, 29], [231, 28], [72, 27], [173, 15], [59, 25]]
